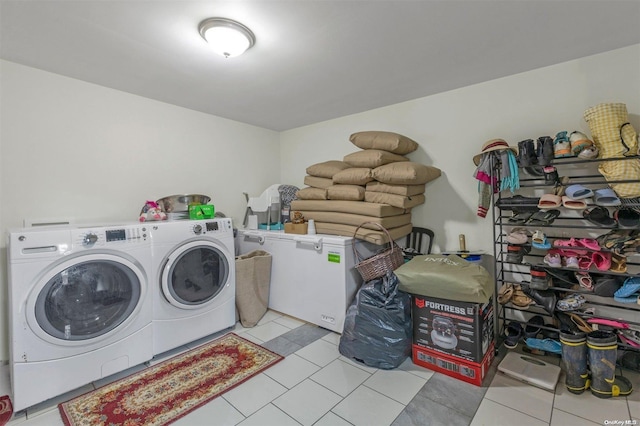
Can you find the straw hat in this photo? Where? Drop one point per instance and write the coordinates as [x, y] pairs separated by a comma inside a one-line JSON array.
[[493, 145]]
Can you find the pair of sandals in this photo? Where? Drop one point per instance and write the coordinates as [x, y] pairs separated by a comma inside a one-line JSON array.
[[630, 337], [588, 243], [552, 201], [539, 218], [624, 217], [620, 241], [604, 261], [572, 322], [571, 302], [513, 293], [629, 291]]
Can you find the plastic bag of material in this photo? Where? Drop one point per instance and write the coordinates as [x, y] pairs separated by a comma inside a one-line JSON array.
[[445, 277], [377, 327]]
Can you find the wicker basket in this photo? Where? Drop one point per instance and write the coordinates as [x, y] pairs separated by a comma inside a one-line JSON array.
[[379, 264]]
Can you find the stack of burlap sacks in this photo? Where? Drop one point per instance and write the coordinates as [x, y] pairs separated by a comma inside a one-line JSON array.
[[376, 184]]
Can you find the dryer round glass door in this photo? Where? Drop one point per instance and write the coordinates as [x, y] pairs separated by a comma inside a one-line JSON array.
[[195, 274], [87, 299]]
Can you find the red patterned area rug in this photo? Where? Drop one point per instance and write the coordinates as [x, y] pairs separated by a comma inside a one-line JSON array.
[[6, 409], [165, 392]]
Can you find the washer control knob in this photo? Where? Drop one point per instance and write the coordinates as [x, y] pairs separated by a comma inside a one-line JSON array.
[[197, 229], [89, 239]]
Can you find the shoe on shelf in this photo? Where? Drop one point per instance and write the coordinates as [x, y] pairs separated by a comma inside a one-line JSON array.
[[540, 280], [518, 236], [553, 260], [515, 253], [589, 153], [527, 153], [545, 298], [580, 323], [632, 337], [561, 145], [571, 242], [545, 150], [512, 334], [602, 260], [551, 175], [533, 326], [571, 302], [584, 280], [618, 263], [589, 243], [571, 262], [547, 345], [540, 241], [579, 141], [519, 299], [505, 293], [630, 286]]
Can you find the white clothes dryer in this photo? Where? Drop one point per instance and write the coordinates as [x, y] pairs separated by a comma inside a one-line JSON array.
[[80, 308], [195, 280]]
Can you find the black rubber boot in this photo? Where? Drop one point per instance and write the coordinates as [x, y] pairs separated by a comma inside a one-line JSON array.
[[544, 150], [546, 298], [574, 358], [603, 347], [527, 153]]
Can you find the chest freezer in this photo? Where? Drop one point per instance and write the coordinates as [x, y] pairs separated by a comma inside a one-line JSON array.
[[313, 277]]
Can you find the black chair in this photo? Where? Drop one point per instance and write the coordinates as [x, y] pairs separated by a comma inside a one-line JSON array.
[[420, 240]]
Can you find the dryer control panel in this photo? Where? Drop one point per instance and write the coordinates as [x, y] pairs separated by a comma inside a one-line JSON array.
[[107, 236], [207, 226]]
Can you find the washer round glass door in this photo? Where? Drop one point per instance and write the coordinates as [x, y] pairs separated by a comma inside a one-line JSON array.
[[194, 274], [88, 299]]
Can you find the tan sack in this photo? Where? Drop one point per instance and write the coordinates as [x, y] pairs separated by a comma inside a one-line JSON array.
[[253, 280], [615, 137], [611, 131], [445, 277], [622, 170]]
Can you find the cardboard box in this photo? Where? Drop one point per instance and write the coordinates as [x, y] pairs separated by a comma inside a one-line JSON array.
[[295, 228], [451, 327], [453, 366]]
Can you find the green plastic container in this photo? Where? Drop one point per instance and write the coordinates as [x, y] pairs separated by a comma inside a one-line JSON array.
[[201, 211]]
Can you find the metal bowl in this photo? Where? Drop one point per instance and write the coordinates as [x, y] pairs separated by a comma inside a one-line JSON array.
[[181, 203]]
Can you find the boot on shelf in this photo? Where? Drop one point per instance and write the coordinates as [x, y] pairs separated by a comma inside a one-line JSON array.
[[574, 358], [603, 347], [545, 298]]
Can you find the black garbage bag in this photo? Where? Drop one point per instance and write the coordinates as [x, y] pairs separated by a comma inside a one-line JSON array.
[[377, 327]]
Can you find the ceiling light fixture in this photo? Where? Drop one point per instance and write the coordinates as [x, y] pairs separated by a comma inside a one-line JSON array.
[[227, 37]]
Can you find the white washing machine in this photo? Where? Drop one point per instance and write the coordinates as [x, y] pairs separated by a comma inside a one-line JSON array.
[[80, 306], [195, 280]]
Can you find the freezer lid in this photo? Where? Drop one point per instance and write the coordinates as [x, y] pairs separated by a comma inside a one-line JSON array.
[[327, 239]]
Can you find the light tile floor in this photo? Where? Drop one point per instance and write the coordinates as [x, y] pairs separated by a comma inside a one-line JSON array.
[[316, 385]]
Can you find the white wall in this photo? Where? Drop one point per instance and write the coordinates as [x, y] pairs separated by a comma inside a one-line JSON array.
[[73, 149], [76, 150], [451, 127]]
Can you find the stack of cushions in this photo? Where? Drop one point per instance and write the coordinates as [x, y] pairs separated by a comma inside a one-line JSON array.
[[376, 184]]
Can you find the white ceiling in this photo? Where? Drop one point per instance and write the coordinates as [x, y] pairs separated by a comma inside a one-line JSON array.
[[313, 60]]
